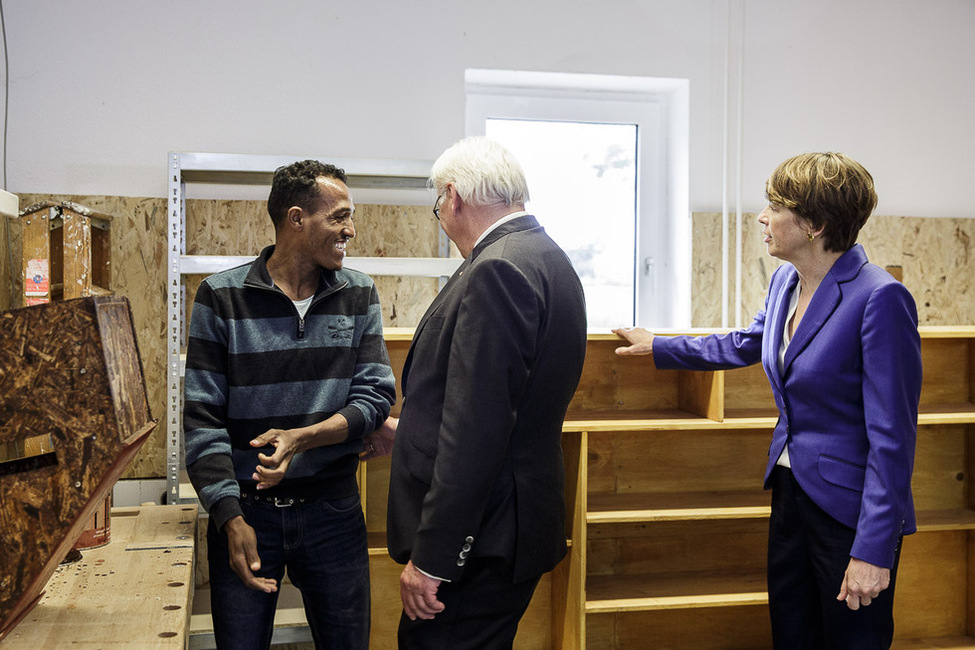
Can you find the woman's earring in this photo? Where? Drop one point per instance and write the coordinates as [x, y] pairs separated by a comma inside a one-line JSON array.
[[810, 236]]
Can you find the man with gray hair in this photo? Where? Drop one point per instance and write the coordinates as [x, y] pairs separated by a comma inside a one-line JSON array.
[[476, 499]]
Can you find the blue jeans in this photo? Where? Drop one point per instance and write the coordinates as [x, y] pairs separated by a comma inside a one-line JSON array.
[[323, 546]]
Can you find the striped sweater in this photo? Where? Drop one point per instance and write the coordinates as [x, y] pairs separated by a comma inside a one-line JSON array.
[[254, 364]]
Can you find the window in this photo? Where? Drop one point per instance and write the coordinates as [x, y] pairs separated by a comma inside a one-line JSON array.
[[606, 161]]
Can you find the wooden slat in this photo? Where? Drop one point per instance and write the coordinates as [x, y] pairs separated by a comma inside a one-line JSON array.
[[684, 506], [76, 249], [632, 593]]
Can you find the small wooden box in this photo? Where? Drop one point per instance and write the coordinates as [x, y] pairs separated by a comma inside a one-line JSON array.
[[67, 252], [73, 414]]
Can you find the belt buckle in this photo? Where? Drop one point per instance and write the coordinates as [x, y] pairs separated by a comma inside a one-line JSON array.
[[283, 503]]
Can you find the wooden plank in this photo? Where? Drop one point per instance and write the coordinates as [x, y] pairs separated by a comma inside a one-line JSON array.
[[671, 462], [679, 506], [689, 589], [744, 627], [702, 394], [135, 591], [926, 606], [76, 251], [36, 265], [568, 622], [666, 420]]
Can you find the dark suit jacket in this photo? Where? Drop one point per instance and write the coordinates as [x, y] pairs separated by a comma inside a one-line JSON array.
[[477, 463], [848, 396]]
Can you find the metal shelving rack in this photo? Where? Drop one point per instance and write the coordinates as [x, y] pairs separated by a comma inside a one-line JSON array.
[[246, 169]]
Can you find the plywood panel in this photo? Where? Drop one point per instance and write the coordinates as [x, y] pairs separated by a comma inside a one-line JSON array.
[[611, 383], [70, 371], [941, 480], [668, 547], [931, 586], [936, 259], [677, 461], [738, 628]]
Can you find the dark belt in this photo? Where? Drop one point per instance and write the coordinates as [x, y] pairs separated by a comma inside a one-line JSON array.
[[277, 501]]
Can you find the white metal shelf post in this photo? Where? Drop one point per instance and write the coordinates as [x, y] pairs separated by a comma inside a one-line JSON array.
[[242, 169]]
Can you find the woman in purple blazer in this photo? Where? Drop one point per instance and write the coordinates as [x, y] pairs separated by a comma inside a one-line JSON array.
[[838, 340]]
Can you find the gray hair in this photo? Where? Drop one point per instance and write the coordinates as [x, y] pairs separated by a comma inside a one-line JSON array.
[[482, 171]]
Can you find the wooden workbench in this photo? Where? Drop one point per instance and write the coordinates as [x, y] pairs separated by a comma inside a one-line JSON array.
[[134, 592]]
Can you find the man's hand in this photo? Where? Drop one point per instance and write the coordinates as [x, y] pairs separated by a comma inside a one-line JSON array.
[[379, 442], [862, 583], [272, 469], [640, 341], [244, 560], [419, 594]]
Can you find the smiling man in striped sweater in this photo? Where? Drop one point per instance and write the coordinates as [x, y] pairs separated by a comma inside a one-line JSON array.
[[287, 376]]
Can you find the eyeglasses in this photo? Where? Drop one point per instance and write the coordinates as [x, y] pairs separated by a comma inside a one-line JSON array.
[[436, 207]]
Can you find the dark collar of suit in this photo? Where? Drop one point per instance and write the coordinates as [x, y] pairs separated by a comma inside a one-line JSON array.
[[823, 304], [524, 222]]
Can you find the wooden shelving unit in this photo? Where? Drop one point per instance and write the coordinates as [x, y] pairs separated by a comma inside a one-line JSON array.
[[668, 519]]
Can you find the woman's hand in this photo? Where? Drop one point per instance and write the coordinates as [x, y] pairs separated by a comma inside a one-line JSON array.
[[640, 341]]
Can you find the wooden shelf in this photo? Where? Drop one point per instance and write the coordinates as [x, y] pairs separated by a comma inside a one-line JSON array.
[[702, 506], [669, 478], [682, 506], [684, 590], [946, 414], [665, 420], [668, 517]]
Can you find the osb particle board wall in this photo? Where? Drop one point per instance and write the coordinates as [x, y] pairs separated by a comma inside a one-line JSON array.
[[935, 256], [139, 259], [936, 259]]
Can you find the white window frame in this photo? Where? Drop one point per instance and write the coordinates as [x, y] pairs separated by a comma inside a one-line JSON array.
[[660, 109]]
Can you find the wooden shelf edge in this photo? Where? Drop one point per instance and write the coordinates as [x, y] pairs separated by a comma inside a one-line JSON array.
[[677, 514], [945, 417], [657, 603], [949, 414], [689, 423], [928, 520]]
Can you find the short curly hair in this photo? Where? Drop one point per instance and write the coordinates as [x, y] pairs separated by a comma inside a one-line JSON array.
[[296, 184], [829, 191]]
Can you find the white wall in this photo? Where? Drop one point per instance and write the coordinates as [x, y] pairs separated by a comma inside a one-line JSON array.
[[101, 90]]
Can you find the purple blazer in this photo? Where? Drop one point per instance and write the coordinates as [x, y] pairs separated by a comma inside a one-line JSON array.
[[847, 398]]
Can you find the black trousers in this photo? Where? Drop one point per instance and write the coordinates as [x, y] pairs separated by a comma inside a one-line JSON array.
[[807, 557], [481, 610]]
